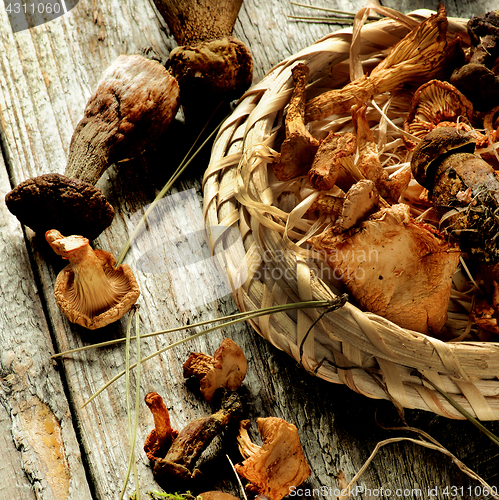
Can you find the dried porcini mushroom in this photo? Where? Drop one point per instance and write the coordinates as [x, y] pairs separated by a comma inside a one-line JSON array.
[[476, 79], [161, 437], [91, 291], [134, 103], [394, 266], [435, 102], [277, 466], [424, 53], [178, 467], [226, 368], [299, 148], [56, 201], [464, 189], [192, 21], [211, 71]]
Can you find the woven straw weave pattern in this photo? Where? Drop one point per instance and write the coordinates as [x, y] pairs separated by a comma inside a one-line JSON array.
[[237, 194]]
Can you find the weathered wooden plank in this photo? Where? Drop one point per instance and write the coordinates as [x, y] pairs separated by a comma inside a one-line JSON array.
[[41, 454], [46, 76]]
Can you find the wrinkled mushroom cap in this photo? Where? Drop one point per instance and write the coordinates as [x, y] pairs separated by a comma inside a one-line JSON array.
[[54, 201], [279, 463], [434, 102], [433, 147], [112, 290], [227, 368]]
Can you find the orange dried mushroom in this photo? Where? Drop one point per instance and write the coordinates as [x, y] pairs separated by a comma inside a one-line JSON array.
[[161, 437], [299, 147], [91, 291], [277, 466], [435, 102], [226, 368]]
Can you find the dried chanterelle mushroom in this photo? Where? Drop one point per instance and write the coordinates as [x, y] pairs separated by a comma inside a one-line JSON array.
[[226, 368], [135, 101], [277, 466], [91, 291]]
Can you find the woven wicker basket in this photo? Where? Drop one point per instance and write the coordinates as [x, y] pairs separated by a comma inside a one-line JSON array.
[[238, 194]]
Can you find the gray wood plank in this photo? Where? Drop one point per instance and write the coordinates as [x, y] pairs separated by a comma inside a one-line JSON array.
[[47, 74]]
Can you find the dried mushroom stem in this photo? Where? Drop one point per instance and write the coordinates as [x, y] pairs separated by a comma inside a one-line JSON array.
[[161, 437], [192, 21], [299, 148], [178, 467], [424, 52], [135, 101]]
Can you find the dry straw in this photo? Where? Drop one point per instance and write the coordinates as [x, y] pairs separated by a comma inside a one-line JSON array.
[[279, 269]]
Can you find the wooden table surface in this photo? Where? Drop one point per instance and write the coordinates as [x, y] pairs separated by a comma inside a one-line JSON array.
[[51, 447]]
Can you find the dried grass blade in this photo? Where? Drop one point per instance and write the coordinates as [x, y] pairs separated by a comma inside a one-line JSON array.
[[251, 315]]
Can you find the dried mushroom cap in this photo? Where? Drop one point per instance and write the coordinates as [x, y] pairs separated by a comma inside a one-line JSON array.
[[54, 201], [279, 464], [227, 368], [360, 201], [221, 68], [435, 102], [91, 291], [134, 103], [405, 272], [433, 147]]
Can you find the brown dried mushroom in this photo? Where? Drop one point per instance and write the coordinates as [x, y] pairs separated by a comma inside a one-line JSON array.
[[435, 102], [178, 467], [464, 189], [395, 267], [277, 466], [55, 201], [299, 148], [134, 103], [226, 368], [91, 291]]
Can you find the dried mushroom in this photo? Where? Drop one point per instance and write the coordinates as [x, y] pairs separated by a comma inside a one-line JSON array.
[[327, 166], [277, 466], [424, 53], [435, 102], [226, 368], [395, 267], [135, 101], [299, 148], [476, 79], [210, 72], [56, 201], [161, 437], [178, 467], [368, 162], [91, 291], [464, 189], [360, 201]]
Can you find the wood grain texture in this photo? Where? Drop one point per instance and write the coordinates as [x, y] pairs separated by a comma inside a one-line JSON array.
[[46, 76]]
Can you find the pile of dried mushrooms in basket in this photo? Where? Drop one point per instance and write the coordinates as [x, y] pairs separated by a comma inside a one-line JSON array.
[[398, 170]]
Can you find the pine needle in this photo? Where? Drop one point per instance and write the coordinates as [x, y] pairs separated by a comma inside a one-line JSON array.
[[253, 314]]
